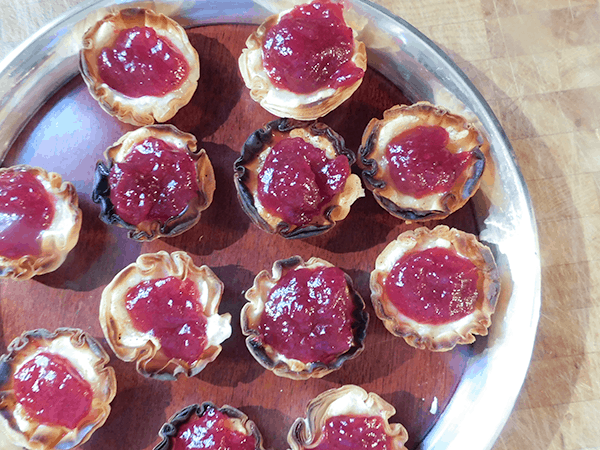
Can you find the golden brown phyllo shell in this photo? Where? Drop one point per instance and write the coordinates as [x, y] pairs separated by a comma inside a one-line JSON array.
[[238, 421], [282, 102], [463, 137], [348, 400], [444, 336], [59, 238], [272, 358], [149, 230], [249, 165], [131, 344], [87, 356], [147, 109]]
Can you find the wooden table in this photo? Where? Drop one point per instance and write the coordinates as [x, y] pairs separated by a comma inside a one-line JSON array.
[[537, 63]]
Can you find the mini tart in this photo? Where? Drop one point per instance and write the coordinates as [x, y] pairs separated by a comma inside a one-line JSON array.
[[463, 137], [348, 400], [131, 344], [86, 356], [254, 154], [282, 102], [237, 421], [149, 230], [59, 238], [271, 358], [442, 336], [147, 109]]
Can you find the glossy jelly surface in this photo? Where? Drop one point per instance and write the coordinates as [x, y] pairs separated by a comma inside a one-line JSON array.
[[211, 431], [140, 62], [297, 180], [52, 391], [26, 209], [170, 309], [308, 315], [311, 48], [433, 286], [421, 164], [354, 433], [154, 182]]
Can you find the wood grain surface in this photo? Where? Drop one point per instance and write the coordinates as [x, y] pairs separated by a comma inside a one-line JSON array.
[[537, 63]]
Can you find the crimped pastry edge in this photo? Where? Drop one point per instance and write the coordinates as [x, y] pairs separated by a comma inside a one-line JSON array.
[[130, 344], [59, 239], [153, 229], [147, 109], [464, 137], [269, 357], [349, 400], [446, 336], [281, 102], [95, 370]]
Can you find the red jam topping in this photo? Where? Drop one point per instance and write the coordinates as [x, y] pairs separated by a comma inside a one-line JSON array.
[[311, 48], [212, 431], [420, 163], [142, 63], [354, 432], [308, 315], [169, 308], [52, 391], [26, 209], [154, 182], [433, 286], [297, 180]]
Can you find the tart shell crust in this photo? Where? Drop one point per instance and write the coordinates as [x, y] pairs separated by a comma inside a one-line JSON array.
[[463, 137], [269, 357], [59, 239], [147, 109], [239, 422], [305, 433], [87, 356], [442, 337], [284, 103], [149, 230], [250, 163], [130, 344]]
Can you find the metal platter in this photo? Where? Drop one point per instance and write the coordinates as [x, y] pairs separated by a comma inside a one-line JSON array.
[[494, 373]]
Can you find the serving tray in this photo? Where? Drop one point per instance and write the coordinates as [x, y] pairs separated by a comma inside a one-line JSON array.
[[47, 118]]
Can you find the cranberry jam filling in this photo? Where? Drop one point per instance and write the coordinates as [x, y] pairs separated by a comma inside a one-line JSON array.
[[433, 286], [26, 209], [142, 63], [154, 182], [169, 309], [311, 48], [308, 315], [52, 391], [297, 180], [354, 432], [211, 431], [421, 164]]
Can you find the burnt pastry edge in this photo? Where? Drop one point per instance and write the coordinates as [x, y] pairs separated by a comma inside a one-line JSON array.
[[150, 361], [256, 143], [256, 79], [170, 429], [46, 437], [269, 357], [450, 202], [306, 432], [57, 240], [149, 230], [126, 108], [446, 336]]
